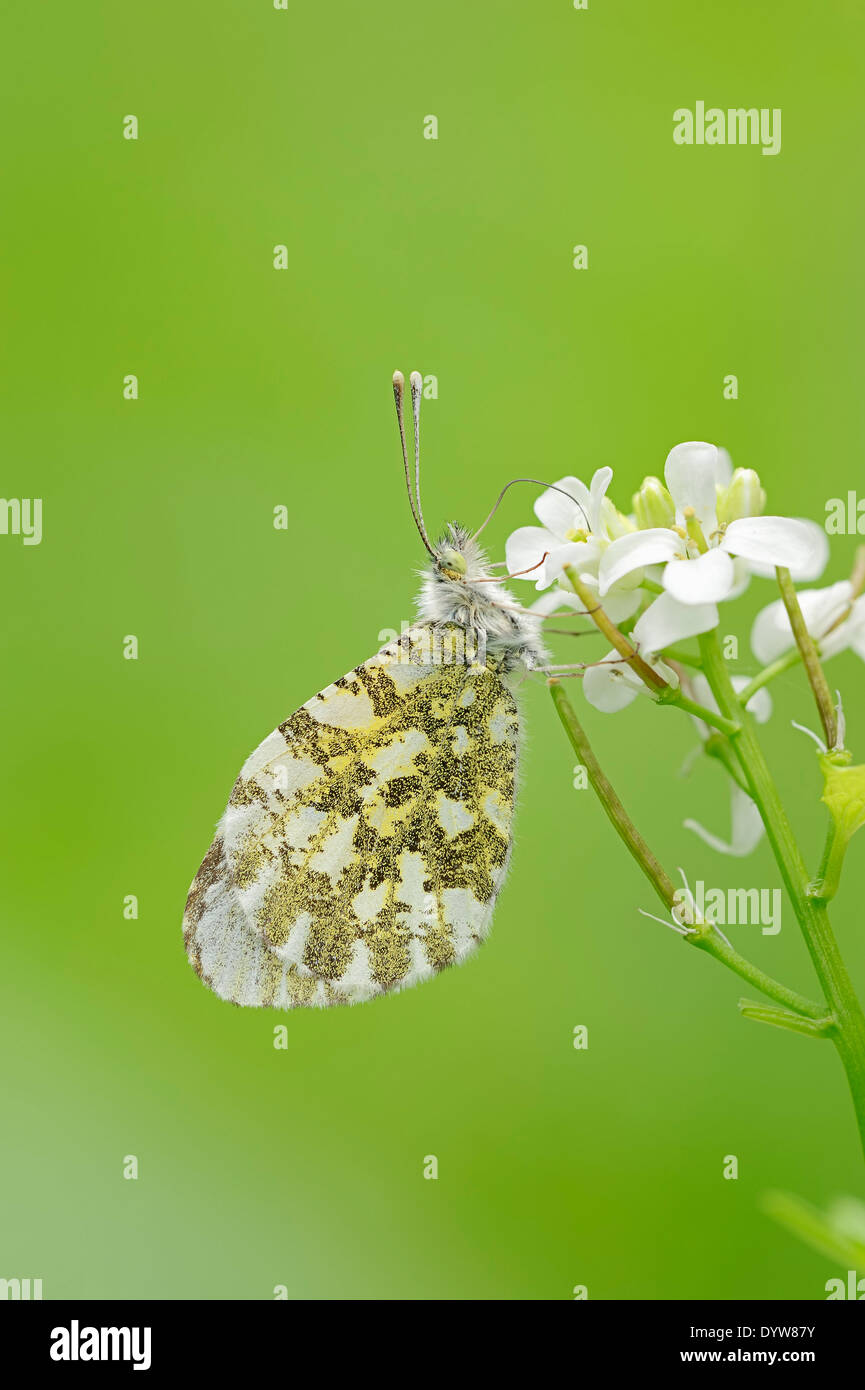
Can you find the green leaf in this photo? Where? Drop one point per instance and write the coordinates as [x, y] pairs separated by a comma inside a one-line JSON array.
[[843, 792]]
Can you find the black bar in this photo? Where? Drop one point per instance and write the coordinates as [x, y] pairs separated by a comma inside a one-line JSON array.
[[242, 1337]]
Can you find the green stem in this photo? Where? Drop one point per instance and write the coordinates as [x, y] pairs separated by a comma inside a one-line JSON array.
[[768, 673], [828, 880], [849, 1035], [672, 696], [703, 935], [684, 658], [616, 813], [717, 947], [616, 639], [808, 650], [783, 1018], [721, 749], [663, 692]]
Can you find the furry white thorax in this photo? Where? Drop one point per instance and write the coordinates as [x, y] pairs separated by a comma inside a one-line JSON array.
[[510, 636]]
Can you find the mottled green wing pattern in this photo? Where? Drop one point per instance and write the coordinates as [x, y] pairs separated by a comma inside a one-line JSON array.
[[366, 838]]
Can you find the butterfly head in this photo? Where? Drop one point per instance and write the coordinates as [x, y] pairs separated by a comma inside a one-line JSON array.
[[451, 563], [457, 586], [457, 556]]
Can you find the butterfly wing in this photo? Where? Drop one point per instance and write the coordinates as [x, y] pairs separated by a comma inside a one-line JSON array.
[[366, 838]]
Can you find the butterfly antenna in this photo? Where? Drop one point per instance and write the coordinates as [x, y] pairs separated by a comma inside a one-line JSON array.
[[398, 395], [539, 483], [416, 384]]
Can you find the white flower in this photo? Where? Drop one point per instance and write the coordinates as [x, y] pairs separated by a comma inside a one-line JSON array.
[[611, 685], [832, 617], [576, 530], [694, 473], [746, 826], [569, 534]]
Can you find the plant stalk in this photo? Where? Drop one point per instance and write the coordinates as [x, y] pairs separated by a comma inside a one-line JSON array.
[[811, 661], [849, 1033], [703, 935]]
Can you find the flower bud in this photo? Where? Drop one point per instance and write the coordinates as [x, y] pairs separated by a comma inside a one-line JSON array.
[[653, 505], [613, 522], [744, 497]]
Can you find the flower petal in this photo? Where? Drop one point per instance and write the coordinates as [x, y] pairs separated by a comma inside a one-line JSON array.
[[561, 514], [601, 480], [610, 685], [772, 635], [746, 829], [573, 555], [856, 625], [635, 550], [621, 604], [691, 472], [778, 540], [707, 579], [556, 600], [802, 573], [723, 469], [533, 553], [666, 621], [525, 549], [760, 703], [742, 571]]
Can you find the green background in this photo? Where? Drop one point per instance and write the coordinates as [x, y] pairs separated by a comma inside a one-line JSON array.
[[304, 1167]]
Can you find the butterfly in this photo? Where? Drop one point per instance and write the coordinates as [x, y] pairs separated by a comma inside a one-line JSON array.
[[366, 839]]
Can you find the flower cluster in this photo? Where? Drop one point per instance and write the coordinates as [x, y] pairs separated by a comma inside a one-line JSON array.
[[689, 543]]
